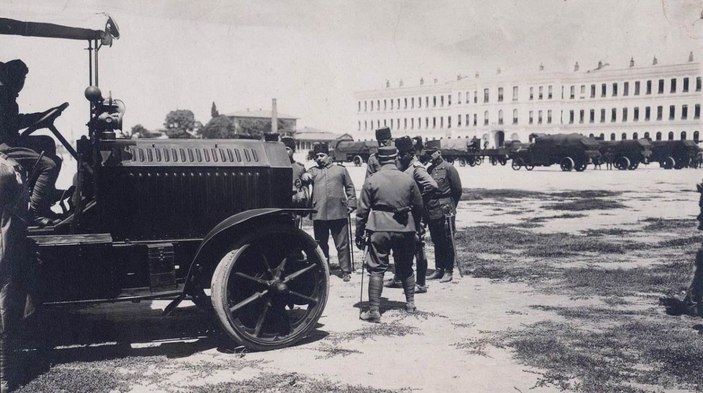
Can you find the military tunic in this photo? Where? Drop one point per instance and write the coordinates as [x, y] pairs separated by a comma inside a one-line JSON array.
[[448, 194], [372, 165], [382, 199], [332, 193], [427, 186]]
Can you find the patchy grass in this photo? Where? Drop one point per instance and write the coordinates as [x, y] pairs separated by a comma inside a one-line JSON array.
[[665, 224], [330, 351], [288, 383], [607, 232], [475, 346], [473, 194], [373, 330], [559, 216], [77, 378], [585, 204], [627, 350]]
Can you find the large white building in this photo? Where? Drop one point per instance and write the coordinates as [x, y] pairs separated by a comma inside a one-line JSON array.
[[661, 102]]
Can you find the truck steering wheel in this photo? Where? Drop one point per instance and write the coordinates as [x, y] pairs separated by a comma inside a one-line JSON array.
[[46, 120]]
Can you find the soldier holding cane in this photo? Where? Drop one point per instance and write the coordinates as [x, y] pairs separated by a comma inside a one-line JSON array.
[[390, 207], [441, 211]]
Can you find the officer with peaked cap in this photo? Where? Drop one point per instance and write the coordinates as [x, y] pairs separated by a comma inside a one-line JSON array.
[[408, 163], [441, 211], [383, 136], [390, 207], [333, 198]]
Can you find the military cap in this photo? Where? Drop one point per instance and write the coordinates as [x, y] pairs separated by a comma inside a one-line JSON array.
[[383, 134], [404, 144], [271, 137], [387, 153], [433, 145], [289, 142], [320, 148]]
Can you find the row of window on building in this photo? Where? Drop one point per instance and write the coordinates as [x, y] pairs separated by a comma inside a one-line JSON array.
[[604, 90], [682, 114], [472, 119], [658, 136]]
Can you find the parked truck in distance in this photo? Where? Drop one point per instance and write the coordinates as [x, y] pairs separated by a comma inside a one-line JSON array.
[[676, 154], [625, 154], [349, 150], [569, 151]]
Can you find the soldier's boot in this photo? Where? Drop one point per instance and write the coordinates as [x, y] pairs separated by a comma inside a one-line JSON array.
[[447, 276], [393, 282], [409, 289], [373, 314], [436, 275]]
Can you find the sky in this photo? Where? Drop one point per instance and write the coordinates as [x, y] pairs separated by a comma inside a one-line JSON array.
[[313, 55]]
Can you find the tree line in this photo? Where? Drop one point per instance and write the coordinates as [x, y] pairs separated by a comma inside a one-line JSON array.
[[181, 124]]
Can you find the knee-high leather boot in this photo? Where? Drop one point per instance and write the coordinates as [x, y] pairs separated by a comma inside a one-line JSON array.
[[373, 314], [409, 288]]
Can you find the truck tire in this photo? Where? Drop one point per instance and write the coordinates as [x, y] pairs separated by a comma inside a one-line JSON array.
[[580, 166], [566, 164], [529, 167], [270, 297], [502, 161], [633, 165], [622, 163], [668, 163], [516, 164], [357, 160], [462, 162]]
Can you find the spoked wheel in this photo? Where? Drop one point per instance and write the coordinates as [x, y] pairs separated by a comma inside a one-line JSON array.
[[566, 164], [358, 160], [516, 164], [622, 163], [270, 297], [668, 163], [462, 162], [529, 167], [478, 161], [633, 165], [580, 166]]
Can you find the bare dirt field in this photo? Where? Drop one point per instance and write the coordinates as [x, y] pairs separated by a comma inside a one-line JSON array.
[[562, 276]]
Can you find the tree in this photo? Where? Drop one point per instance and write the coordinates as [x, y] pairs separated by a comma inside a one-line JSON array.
[[180, 124], [213, 111], [219, 127], [139, 131]]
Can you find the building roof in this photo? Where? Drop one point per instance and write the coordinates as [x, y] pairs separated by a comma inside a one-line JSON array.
[[259, 114], [314, 134]]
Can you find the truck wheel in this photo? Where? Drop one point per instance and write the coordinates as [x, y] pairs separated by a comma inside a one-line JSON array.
[[471, 162], [462, 162], [529, 167], [633, 165], [503, 161], [516, 164], [566, 164], [270, 297], [622, 163], [479, 160], [358, 160], [580, 166], [668, 163]]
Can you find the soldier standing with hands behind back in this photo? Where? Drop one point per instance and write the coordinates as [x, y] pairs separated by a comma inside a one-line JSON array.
[[441, 211], [333, 198], [390, 207]]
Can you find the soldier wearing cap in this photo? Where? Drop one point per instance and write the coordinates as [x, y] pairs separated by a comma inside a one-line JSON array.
[[383, 136], [408, 163], [14, 266], [333, 198], [390, 207], [441, 209], [300, 191]]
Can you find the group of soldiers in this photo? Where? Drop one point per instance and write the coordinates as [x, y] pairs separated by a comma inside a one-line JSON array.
[[399, 199]]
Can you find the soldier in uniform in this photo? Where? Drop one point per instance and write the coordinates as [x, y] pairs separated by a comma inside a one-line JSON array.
[[333, 198], [37, 153], [390, 207], [441, 209], [14, 263], [383, 136], [408, 163], [692, 303]]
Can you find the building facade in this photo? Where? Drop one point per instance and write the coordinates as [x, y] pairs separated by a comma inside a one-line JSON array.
[[661, 102]]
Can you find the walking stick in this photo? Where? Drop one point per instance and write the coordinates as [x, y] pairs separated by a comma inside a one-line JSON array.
[[351, 240], [448, 217]]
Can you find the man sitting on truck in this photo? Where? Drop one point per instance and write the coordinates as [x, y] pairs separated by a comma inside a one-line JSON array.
[[37, 154]]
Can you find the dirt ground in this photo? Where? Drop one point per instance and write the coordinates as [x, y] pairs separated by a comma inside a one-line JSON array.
[[562, 275]]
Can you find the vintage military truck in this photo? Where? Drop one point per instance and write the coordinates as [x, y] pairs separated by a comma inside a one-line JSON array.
[[349, 150], [675, 154], [625, 154], [205, 220], [570, 151]]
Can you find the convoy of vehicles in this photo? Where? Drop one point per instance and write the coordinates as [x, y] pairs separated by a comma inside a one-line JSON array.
[[625, 154], [569, 151], [178, 219]]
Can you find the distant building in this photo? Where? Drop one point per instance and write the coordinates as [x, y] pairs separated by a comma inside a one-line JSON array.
[[260, 120], [661, 102], [308, 136]]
